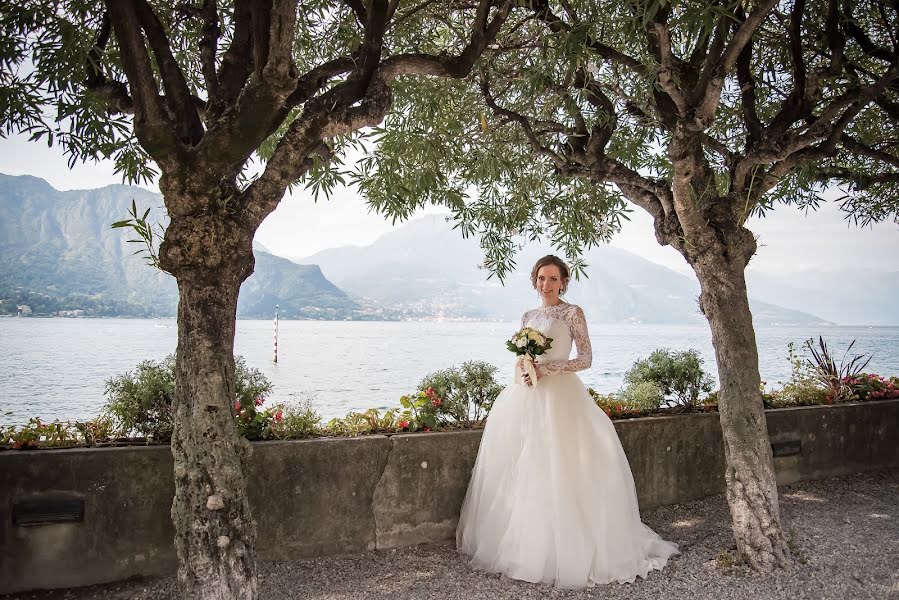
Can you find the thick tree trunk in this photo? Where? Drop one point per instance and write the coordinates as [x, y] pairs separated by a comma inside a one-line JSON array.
[[751, 484], [215, 535]]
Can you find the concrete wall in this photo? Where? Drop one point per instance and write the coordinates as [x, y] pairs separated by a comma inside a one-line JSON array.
[[325, 496]]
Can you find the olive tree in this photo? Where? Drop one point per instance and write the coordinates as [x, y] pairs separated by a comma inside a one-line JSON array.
[[190, 94], [702, 113]]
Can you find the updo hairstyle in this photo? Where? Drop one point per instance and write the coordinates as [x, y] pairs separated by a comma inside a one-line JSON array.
[[551, 259]]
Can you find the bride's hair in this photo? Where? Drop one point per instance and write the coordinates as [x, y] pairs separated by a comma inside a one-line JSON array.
[[551, 259]]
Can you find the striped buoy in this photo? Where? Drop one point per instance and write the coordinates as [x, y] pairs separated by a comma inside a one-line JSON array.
[[276, 332]]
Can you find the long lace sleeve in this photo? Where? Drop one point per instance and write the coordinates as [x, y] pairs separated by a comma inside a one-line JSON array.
[[524, 318], [577, 325]]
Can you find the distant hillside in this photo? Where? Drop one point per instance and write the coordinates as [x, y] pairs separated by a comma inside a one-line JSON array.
[[426, 264], [848, 297], [58, 252]]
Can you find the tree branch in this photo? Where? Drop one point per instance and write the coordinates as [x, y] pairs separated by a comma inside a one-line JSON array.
[[114, 93], [235, 68], [209, 47], [857, 147], [795, 106], [279, 66], [557, 25], [705, 110], [557, 159], [151, 122], [667, 68], [747, 96], [178, 98], [358, 9], [457, 67]]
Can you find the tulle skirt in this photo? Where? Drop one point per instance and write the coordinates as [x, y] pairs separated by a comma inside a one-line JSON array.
[[552, 498]]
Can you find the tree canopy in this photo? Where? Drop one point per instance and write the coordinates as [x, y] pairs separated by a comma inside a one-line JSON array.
[[575, 107]]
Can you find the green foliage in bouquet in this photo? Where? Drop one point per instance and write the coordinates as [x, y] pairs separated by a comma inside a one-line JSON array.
[[529, 341]]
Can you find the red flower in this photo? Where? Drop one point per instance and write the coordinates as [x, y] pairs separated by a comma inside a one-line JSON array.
[[259, 400], [237, 406], [279, 416], [437, 402], [427, 429], [403, 424]]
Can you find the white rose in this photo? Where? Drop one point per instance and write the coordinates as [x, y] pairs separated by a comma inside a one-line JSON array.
[[521, 342]]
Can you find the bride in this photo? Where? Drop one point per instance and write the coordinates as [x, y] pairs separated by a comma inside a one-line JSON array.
[[551, 497]]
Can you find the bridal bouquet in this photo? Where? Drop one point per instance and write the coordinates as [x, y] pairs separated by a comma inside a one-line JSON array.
[[528, 344]]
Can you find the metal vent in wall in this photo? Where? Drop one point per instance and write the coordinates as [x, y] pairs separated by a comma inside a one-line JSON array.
[[48, 510], [788, 448]]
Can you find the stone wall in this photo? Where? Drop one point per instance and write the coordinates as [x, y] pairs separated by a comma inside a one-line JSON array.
[[324, 496]]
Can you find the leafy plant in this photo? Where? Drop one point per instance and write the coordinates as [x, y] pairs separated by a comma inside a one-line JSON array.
[[643, 395], [870, 386], [614, 406], [801, 389], [148, 234], [140, 403], [362, 423], [464, 395], [298, 420], [255, 422], [833, 376], [678, 376], [38, 434]]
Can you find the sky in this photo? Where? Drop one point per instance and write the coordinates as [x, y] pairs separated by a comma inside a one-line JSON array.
[[789, 240]]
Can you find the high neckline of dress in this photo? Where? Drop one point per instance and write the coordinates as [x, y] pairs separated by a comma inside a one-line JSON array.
[[552, 306]]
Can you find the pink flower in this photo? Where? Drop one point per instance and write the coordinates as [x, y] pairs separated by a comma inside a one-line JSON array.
[[437, 402], [259, 400], [237, 406], [279, 416], [402, 424]]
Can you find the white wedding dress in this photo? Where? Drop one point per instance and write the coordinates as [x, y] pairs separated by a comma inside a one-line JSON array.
[[551, 497]]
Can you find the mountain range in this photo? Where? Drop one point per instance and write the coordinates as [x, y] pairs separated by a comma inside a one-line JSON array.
[[427, 264], [58, 252]]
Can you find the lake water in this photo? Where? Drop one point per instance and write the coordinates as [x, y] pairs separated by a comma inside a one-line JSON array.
[[57, 368]]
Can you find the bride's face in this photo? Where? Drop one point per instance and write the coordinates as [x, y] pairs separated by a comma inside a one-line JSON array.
[[549, 282]]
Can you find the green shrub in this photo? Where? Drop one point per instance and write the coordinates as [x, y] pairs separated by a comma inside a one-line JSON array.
[[614, 406], [643, 395], [462, 396], [678, 376], [140, 403], [363, 423], [298, 420], [801, 389]]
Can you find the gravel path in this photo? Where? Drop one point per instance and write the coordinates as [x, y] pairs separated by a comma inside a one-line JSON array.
[[844, 533]]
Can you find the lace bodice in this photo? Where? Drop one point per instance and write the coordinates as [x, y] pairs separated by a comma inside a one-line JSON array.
[[564, 323]]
